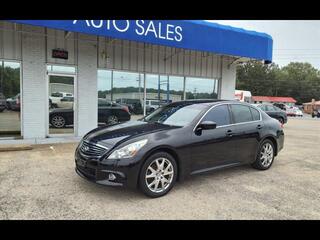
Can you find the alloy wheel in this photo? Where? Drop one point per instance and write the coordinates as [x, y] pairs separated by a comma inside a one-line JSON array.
[[266, 155], [112, 119], [159, 175], [58, 121]]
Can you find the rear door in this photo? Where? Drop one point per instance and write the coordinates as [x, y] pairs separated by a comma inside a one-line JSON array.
[[247, 128]]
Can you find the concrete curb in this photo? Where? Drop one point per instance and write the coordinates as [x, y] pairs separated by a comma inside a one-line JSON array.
[[22, 147]]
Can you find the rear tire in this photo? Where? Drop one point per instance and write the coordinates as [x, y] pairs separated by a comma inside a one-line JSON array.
[[265, 156], [281, 120], [158, 175], [57, 121], [112, 120]]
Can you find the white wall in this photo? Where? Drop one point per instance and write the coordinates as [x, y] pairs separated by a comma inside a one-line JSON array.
[[87, 94], [34, 100], [228, 81]]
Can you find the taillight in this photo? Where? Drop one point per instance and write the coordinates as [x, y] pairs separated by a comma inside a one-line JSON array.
[[126, 109]]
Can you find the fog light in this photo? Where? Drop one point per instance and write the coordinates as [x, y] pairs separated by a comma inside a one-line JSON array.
[[112, 176]]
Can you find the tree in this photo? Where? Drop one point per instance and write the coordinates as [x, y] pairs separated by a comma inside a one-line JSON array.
[[258, 78], [298, 80]]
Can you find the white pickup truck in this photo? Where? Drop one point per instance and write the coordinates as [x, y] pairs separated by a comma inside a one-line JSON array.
[[57, 96]]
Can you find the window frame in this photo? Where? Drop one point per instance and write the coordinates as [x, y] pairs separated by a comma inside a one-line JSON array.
[[230, 112]]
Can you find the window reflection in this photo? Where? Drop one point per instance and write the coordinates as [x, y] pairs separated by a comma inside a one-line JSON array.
[[127, 90], [201, 88], [162, 89], [10, 100]]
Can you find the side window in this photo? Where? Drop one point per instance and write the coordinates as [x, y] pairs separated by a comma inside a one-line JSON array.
[[276, 108], [262, 107], [219, 115], [255, 114], [241, 113], [270, 108]]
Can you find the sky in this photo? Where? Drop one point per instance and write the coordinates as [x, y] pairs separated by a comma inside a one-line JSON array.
[[293, 40]]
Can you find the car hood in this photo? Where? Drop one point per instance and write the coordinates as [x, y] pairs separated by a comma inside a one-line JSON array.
[[116, 134]]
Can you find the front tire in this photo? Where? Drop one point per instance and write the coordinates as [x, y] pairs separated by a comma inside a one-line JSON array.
[[158, 175], [265, 156]]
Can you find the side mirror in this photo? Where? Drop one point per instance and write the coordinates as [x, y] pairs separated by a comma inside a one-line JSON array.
[[206, 125]]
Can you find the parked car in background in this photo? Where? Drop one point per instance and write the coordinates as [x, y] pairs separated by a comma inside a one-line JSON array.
[[316, 113], [298, 113], [176, 141], [3, 102], [57, 96], [14, 103], [134, 105], [282, 106], [65, 102], [108, 113], [273, 112], [290, 112]]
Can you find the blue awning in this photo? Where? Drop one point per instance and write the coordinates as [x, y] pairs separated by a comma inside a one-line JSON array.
[[187, 34]]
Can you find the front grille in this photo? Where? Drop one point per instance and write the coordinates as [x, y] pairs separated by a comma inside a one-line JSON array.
[[92, 150]]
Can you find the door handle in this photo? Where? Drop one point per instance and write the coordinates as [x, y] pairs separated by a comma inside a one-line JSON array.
[[259, 126], [229, 133]]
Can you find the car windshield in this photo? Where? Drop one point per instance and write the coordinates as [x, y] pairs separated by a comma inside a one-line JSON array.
[[175, 115]]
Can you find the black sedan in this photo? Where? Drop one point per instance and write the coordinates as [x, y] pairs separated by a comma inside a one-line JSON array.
[[274, 112], [108, 113], [176, 141]]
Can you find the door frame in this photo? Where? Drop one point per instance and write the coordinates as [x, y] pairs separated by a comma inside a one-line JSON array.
[[75, 102]]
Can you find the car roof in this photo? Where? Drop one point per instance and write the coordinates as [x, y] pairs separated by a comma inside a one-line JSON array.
[[207, 102]]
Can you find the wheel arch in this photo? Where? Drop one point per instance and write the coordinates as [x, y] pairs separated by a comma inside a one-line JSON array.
[[166, 149], [273, 140]]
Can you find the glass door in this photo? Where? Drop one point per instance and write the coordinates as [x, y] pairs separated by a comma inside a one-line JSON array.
[[61, 92]]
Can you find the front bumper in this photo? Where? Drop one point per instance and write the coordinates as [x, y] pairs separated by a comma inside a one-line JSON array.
[[97, 171]]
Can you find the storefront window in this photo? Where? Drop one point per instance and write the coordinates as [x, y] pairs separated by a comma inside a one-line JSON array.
[[201, 88], [104, 84], [162, 89], [128, 91], [10, 100], [120, 96]]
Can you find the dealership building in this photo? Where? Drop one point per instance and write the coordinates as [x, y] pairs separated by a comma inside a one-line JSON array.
[[48, 63]]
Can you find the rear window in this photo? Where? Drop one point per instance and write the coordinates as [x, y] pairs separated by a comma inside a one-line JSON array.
[[255, 114], [241, 113]]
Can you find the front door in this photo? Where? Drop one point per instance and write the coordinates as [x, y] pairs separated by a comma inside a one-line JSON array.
[[215, 147], [61, 104]]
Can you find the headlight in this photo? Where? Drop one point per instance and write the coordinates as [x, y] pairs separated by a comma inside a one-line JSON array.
[[128, 151]]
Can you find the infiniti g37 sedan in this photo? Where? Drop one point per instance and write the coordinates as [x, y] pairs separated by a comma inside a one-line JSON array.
[[178, 140]]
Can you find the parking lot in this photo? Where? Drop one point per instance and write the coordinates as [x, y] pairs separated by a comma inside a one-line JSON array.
[[41, 184]]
